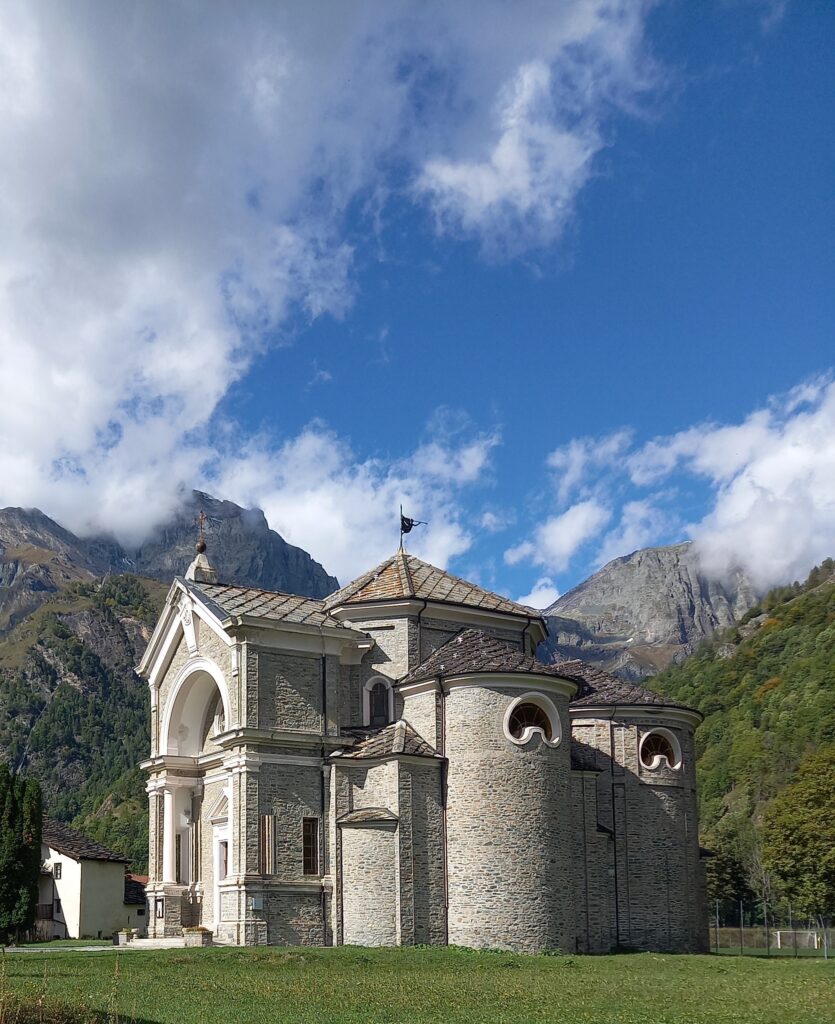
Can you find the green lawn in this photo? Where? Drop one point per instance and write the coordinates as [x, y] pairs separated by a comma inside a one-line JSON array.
[[418, 986]]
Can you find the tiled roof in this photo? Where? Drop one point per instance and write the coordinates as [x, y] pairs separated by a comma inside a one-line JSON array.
[[66, 840], [397, 738], [404, 576], [265, 604], [134, 890], [474, 651], [599, 687]]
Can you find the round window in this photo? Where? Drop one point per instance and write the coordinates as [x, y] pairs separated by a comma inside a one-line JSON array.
[[660, 748]]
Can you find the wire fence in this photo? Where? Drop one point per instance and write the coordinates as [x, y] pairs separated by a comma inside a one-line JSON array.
[[762, 928]]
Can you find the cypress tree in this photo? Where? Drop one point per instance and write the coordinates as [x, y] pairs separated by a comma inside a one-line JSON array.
[[20, 852]]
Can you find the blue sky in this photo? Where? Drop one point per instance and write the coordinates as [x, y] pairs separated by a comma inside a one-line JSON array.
[[564, 288]]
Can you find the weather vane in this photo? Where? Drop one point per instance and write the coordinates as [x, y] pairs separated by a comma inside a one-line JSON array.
[[407, 525]]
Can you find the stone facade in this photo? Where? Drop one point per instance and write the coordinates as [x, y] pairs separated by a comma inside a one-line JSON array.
[[278, 815]]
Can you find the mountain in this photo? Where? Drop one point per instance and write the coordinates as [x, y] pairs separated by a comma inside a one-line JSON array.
[[75, 616], [767, 690], [38, 557], [644, 611], [73, 712], [241, 546]]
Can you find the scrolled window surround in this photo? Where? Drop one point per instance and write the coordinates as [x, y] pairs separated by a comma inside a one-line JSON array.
[[532, 714], [659, 748]]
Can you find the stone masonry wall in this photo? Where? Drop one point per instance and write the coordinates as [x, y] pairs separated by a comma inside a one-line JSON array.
[[509, 829], [592, 863], [421, 857], [657, 889], [290, 792], [369, 872], [421, 712], [290, 691]]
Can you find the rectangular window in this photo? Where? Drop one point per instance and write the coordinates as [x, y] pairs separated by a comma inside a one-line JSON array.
[[310, 845], [140, 912], [266, 844], [160, 908], [57, 906], [178, 856], [56, 869], [223, 858]]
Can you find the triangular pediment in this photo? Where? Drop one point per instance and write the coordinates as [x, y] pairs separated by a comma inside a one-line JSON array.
[[219, 814], [177, 623]]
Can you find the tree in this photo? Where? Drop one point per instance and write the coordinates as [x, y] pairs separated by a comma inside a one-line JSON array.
[[20, 852], [799, 835]]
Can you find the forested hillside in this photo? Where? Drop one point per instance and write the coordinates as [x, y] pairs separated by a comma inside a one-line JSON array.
[[74, 714], [767, 690]]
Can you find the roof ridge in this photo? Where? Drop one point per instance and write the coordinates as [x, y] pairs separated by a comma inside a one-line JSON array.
[[406, 573]]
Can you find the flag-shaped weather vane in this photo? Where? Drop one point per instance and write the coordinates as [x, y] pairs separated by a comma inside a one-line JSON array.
[[407, 525]]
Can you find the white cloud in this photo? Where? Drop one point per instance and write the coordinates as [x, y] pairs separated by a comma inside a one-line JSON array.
[[543, 594], [514, 183], [775, 515], [174, 181], [641, 524], [556, 541], [770, 505], [573, 462], [320, 495]]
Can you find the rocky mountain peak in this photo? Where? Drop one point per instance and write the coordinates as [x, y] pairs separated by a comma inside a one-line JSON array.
[[643, 611]]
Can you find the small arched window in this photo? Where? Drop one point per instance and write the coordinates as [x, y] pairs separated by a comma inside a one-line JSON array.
[[658, 748], [378, 704]]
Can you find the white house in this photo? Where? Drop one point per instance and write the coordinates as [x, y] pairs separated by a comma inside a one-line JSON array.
[[84, 891]]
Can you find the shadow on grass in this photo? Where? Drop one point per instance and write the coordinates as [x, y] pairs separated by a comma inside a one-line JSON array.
[[41, 1012]]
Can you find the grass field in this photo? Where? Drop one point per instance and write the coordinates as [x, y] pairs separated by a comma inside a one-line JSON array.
[[416, 986]]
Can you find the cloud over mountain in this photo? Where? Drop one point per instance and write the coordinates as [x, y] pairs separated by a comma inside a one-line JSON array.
[[176, 181]]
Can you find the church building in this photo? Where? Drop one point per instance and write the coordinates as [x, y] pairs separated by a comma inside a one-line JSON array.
[[392, 765]]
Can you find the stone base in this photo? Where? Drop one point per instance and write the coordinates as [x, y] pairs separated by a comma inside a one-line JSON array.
[[199, 937]]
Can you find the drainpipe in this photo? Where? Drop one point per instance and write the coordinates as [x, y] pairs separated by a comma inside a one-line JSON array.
[[419, 632], [525, 633], [614, 826], [322, 838], [444, 786]]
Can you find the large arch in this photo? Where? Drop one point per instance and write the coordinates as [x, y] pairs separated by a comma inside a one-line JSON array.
[[197, 685]]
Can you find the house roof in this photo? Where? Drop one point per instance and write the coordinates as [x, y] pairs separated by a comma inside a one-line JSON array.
[[405, 576], [58, 836], [226, 600], [473, 651], [135, 889], [397, 738]]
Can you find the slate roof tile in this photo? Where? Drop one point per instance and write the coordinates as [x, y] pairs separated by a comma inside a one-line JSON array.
[[472, 651], [404, 576], [266, 604], [66, 840], [397, 738]]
